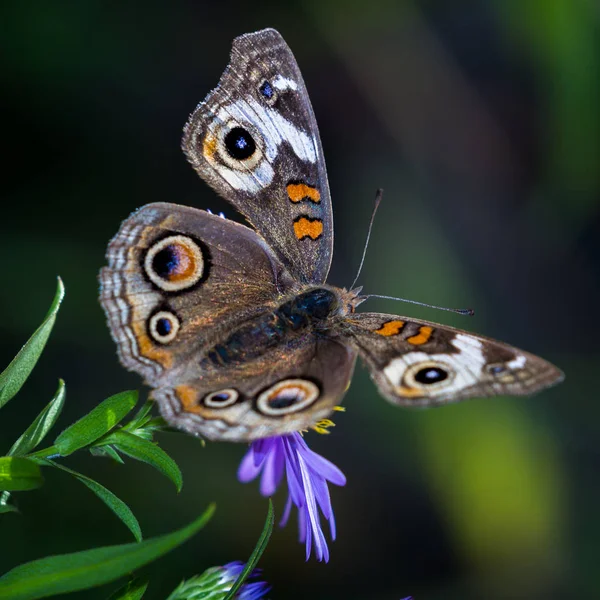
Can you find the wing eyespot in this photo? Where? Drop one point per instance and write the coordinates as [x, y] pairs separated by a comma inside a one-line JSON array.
[[268, 92], [287, 397], [428, 375], [496, 369], [431, 375], [163, 326], [174, 263], [221, 398], [239, 146]]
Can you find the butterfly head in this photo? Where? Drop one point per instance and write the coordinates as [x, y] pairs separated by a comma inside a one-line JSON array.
[[350, 299]]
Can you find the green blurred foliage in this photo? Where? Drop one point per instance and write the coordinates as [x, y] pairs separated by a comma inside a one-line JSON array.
[[480, 121]]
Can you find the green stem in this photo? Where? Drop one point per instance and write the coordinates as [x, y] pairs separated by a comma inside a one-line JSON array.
[[45, 453]]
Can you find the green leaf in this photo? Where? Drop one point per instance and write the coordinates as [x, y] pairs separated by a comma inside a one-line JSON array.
[[132, 590], [82, 570], [36, 432], [107, 451], [17, 372], [147, 452], [5, 506], [160, 424], [140, 417], [19, 474], [113, 502], [260, 547], [96, 423]]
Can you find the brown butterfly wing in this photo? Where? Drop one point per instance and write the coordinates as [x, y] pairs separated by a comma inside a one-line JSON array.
[[418, 363], [287, 388], [177, 278], [254, 139]]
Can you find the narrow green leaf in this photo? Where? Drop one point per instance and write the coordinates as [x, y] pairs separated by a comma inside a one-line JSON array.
[[107, 451], [148, 427], [6, 508], [141, 416], [96, 423], [132, 590], [36, 432], [159, 423], [147, 452], [113, 502], [5, 505], [19, 474], [17, 372], [260, 547], [82, 570]]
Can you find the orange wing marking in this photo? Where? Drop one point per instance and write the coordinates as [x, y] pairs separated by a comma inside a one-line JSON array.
[[408, 392], [209, 146], [147, 348], [390, 328], [188, 397], [305, 227], [300, 191], [422, 337]]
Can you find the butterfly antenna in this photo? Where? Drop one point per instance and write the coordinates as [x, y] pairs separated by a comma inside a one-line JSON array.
[[378, 197], [460, 311]]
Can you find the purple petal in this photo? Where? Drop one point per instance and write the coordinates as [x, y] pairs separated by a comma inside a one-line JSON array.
[[234, 568], [313, 515], [253, 591], [332, 529], [325, 469], [305, 532], [262, 448], [268, 482], [248, 470], [294, 477], [322, 496], [286, 512]]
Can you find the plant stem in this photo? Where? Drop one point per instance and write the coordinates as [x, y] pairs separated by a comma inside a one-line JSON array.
[[45, 453]]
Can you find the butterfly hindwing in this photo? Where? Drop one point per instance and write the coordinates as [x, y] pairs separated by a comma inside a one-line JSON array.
[[283, 389], [255, 140], [418, 363]]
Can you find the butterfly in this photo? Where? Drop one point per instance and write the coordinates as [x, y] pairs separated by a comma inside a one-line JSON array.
[[234, 327]]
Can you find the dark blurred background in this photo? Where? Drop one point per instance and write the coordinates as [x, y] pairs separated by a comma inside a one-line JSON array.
[[481, 119]]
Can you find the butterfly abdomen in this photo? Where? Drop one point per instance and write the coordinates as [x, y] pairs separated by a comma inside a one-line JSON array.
[[305, 311]]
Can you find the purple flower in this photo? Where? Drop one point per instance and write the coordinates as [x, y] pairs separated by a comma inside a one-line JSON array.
[[251, 590], [307, 476]]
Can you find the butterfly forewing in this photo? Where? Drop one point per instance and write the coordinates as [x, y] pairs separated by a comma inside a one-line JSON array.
[[255, 140], [176, 279]]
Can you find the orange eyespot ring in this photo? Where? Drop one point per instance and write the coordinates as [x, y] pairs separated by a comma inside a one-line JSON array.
[[287, 397], [163, 326], [221, 398], [174, 263]]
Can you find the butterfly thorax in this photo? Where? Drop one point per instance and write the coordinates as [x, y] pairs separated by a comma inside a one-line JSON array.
[[308, 311]]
